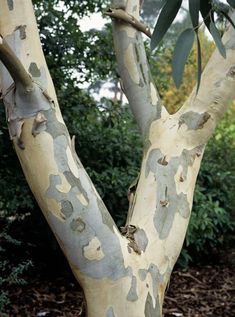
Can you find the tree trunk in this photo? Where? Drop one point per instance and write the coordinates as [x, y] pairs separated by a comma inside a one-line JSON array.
[[122, 273]]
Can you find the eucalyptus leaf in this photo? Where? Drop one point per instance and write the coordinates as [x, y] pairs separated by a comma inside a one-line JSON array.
[[207, 12], [165, 19], [217, 38], [199, 64], [181, 52], [194, 8]]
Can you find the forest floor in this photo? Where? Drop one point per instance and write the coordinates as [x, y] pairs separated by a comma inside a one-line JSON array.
[[198, 292]]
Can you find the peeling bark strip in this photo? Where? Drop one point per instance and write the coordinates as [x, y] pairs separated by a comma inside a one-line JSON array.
[[194, 120], [122, 274]]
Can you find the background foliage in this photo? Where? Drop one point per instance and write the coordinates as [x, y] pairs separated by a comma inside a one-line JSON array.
[[109, 145]]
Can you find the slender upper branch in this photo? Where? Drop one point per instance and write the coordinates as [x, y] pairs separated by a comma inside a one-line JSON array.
[[122, 15], [202, 112], [133, 66], [14, 65]]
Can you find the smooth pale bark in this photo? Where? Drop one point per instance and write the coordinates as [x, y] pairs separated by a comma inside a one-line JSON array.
[[121, 274]]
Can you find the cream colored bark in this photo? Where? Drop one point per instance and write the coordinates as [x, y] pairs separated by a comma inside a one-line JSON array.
[[122, 274]]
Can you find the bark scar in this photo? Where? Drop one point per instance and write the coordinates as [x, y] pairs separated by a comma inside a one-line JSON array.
[[128, 231]]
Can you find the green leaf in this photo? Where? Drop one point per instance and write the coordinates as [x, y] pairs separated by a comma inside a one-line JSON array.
[[165, 19], [194, 8], [206, 11], [181, 52], [217, 38], [231, 3], [199, 64]]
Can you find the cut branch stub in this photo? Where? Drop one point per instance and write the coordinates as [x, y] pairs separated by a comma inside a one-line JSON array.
[[14, 66], [125, 17]]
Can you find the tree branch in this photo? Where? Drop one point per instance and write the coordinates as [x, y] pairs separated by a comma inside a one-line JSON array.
[[133, 67], [14, 65], [125, 17], [201, 113], [62, 188]]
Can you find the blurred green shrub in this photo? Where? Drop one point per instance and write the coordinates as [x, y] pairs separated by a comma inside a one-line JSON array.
[[10, 274]]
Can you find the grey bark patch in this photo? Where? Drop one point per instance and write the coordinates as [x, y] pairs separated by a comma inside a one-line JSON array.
[[149, 310], [34, 70], [141, 239], [112, 264], [106, 219], [143, 74], [53, 193], [156, 278], [22, 30], [54, 127], [77, 225], [194, 120], [164, 215], [151, 164], [143, 118], [142, 274], [10, 4], [66, 208], [75, 182], [132, 294], [61, 142], [110, 312], [170, 202], [159, 110]]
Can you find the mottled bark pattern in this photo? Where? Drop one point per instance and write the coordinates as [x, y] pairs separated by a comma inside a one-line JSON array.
[[124, 273]]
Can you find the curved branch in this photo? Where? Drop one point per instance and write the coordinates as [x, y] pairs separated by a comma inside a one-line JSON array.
[[134, 70], [201, 112], [125, 17], [14, 66]]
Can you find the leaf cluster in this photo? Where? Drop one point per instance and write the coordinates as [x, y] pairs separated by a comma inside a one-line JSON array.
[[208, 10]]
